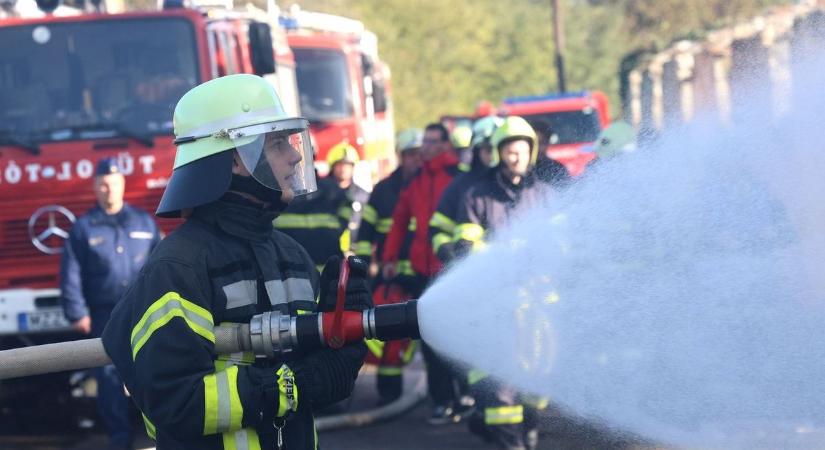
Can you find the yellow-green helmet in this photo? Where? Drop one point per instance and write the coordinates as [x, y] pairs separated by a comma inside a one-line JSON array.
[[618, 138], [342, 152], [237, 112], [484, 128], [409, 139], [461, 136], [511, 129]]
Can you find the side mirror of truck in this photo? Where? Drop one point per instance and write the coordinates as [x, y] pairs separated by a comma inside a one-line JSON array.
[[260, 48]]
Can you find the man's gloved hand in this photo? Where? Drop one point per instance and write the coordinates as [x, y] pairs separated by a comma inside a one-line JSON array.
[[462, 248], [446, 253], [328, 376], [359, 296]]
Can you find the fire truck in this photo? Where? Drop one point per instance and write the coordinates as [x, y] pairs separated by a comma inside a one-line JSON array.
[[76, 88], [566, 123], [344, 90]]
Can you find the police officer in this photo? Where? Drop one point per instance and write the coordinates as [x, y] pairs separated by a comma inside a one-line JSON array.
[[240, 161], [376, 221], [102, 256], [503, 415]]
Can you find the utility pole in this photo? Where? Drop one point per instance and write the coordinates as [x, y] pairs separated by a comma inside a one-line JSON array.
[[558, 37]]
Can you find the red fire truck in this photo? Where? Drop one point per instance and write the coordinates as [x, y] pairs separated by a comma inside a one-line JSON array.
[[75, 89], [344, 90], [566, 123]]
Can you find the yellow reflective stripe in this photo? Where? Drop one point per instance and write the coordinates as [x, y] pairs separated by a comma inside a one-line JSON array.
[[504, 415], [469, 231], [535, 402], [222, 402], [344, 240], [390, 371], [474, 376], [410, 352], [315, 434], [363, 248], [375, 347], [345, 212], [292, 221], [440, 239], [150, 427], [237, 359], [383, 226], [441, 221], [287, 391], [245, 439], [404, 267], [413, 224], [163, 310], [369, 215]]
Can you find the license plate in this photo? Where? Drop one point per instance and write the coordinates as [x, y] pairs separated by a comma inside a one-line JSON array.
[[50, 319]]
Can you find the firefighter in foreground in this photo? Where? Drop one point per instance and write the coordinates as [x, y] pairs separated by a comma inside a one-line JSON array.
[[376, 221], [102, 256], [503, 415], [240, 161]]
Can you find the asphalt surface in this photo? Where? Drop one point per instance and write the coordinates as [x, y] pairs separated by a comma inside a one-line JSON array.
[[409, 431]]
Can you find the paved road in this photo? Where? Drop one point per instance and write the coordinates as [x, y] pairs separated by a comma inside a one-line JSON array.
[[406, 432]]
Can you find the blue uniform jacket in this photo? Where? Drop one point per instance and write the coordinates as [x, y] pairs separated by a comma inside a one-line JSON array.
[[101, 258]]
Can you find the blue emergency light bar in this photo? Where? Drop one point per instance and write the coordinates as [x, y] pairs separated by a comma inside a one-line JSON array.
[[544, 97], [289, 23]]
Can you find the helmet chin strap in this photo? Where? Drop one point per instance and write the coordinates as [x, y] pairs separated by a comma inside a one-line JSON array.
[[248, 185]]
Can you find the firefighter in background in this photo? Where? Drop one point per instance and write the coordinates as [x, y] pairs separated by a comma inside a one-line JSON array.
[[319, 221], [375, 223], [502, 415], [442, 224], [341, 160], [240, 161], [102, 256], [461, 138], [418, 200]]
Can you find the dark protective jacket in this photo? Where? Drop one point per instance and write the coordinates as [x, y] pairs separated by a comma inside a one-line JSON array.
[[223, 265], [101, 258], [419, 200], [488, 203], [376, 219], [318, 220], [443, 222]]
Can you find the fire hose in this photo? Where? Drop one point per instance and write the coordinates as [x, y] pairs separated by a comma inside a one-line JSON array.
[[267, 335]]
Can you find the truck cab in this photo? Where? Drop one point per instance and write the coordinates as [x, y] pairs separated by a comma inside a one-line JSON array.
[[566, 123], [344, 90]]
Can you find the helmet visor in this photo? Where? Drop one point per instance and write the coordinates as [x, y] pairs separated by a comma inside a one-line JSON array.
[[278, 154]]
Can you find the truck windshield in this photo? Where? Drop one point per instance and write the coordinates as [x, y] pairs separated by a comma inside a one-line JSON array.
[[323, 84], [569, 126], [100, 78]]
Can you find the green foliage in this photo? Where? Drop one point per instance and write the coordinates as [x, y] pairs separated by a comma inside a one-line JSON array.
[[446, 56]]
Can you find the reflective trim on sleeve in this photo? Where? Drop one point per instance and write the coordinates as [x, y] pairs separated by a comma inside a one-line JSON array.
[[293, 221], [222, 403], [413, 224], [409, 352], [345, 212], [442, 222], [287, 391], [150, 427], [469, 232], [363, 248], [163, 310], [404, 267], [504, 415], [245, 439], [440, 239], [375, 347], [474, 376], [369, 215], [383, 226], [390, 371]]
